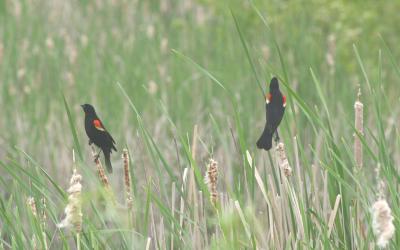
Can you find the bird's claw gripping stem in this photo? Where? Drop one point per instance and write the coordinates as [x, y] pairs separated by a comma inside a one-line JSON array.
[[96, 157], [277, 139]]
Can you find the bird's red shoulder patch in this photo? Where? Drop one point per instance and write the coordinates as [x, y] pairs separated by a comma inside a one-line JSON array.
[[268, 98], [284, 101], [97, 124]]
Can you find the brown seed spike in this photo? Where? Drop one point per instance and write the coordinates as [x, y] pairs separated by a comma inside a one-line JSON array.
[[127, 179], [100, 170], [211, 179]]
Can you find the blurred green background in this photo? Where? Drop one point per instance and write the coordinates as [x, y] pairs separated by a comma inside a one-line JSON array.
[[82, 48]]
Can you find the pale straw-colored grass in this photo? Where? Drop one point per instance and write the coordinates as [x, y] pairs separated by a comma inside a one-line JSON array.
[[359, 126]]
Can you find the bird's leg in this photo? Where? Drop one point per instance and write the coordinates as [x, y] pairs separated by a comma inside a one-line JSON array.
[[277, 136], [97, 156], [90, 142]]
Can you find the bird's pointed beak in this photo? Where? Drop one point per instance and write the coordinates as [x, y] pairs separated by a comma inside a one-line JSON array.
[[82, 105]]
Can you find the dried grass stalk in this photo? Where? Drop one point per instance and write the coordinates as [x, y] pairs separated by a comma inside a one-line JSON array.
[[282, 160], [182, 206], [127, 179], [211, 179], [243, 219], [192, 193], [173, 214], [148, 243], [73, 211], [192, 180], [359, 126], [333, 214]]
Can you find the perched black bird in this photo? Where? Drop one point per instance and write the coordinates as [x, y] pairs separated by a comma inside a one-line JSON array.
[[98, 134], [275, 104]]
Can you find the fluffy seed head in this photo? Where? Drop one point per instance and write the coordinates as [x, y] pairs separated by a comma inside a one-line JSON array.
[[282, 160], [382, 222], [73, 210]]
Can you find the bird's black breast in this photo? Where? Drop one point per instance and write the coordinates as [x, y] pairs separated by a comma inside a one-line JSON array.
[[100, 138], [274, 112]]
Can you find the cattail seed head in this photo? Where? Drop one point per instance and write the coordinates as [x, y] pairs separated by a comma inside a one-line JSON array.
[[100, 170], [103, 177], [382, 222], [282, 160], [382, 219], [211, 179], [127, 179], [73, 210]]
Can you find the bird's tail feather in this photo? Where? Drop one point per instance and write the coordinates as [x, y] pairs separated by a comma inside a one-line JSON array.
[[265, 141], [108, 162]]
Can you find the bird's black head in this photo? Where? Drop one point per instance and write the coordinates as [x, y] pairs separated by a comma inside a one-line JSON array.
[[88, 109], [274, 85]]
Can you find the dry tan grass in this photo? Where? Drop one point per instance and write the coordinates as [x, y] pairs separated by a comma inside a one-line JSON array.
[[359, 126]]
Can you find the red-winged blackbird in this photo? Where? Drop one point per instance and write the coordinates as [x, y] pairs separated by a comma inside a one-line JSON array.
[[275, 104], [98, 134]]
